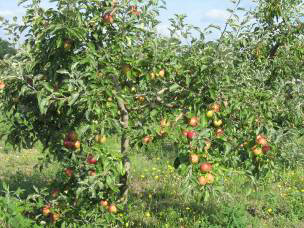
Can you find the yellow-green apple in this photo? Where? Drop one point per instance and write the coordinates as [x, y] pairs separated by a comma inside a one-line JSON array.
[[162, 133], [256, 150], [164, 123], [101, 139], [152, 75], [210, 113], [161, 73], [126, 68], [67, 44], [207, 144], [194, 158], [77, 145], [202, 180], [217, 123], [209, 178]]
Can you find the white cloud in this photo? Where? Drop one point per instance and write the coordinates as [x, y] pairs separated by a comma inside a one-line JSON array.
[[217, 14]]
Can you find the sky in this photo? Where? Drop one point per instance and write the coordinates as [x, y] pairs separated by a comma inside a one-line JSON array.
[[199, 13]]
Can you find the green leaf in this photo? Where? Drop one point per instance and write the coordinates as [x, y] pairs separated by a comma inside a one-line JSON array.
[[48, 86], [173, 87], [63, 71], [43, 103], [73, 98]]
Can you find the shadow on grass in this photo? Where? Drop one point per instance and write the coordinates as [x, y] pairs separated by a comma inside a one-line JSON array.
[[23, 181], [163, 209]]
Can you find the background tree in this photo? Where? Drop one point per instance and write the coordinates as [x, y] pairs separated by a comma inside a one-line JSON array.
[[6, 48]]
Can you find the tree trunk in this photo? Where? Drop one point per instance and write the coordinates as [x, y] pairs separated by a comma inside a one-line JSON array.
[[124, 120]]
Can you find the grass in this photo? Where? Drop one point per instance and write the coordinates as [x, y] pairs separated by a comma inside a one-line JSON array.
[[156, 198]]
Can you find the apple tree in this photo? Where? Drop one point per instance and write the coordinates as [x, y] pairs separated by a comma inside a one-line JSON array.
[[82, 78]]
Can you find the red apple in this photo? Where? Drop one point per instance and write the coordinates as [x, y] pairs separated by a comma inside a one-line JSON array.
[[108, 18], [209, 178], [140, 98], [68, 144], [194, 158], [91, 160], [202, 180], [193, 121], [112, 208], [68, 172], [2, 85], [55, 193], [206, 167], [72, 136], [260, 139], [266, 148], [191, 135], [133, 9], [216, 107], [219, 132], [54, 217], [92, 173], [184, 132], [147, 139], [46, 210], [104, 203]]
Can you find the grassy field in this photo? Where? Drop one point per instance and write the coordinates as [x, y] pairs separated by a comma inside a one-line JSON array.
[[156, 199]]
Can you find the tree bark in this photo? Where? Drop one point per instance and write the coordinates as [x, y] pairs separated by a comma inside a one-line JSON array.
[[124, 121]]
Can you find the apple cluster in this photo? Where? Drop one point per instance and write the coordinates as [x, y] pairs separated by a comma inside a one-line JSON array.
[[261, 145], [71, 141]]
